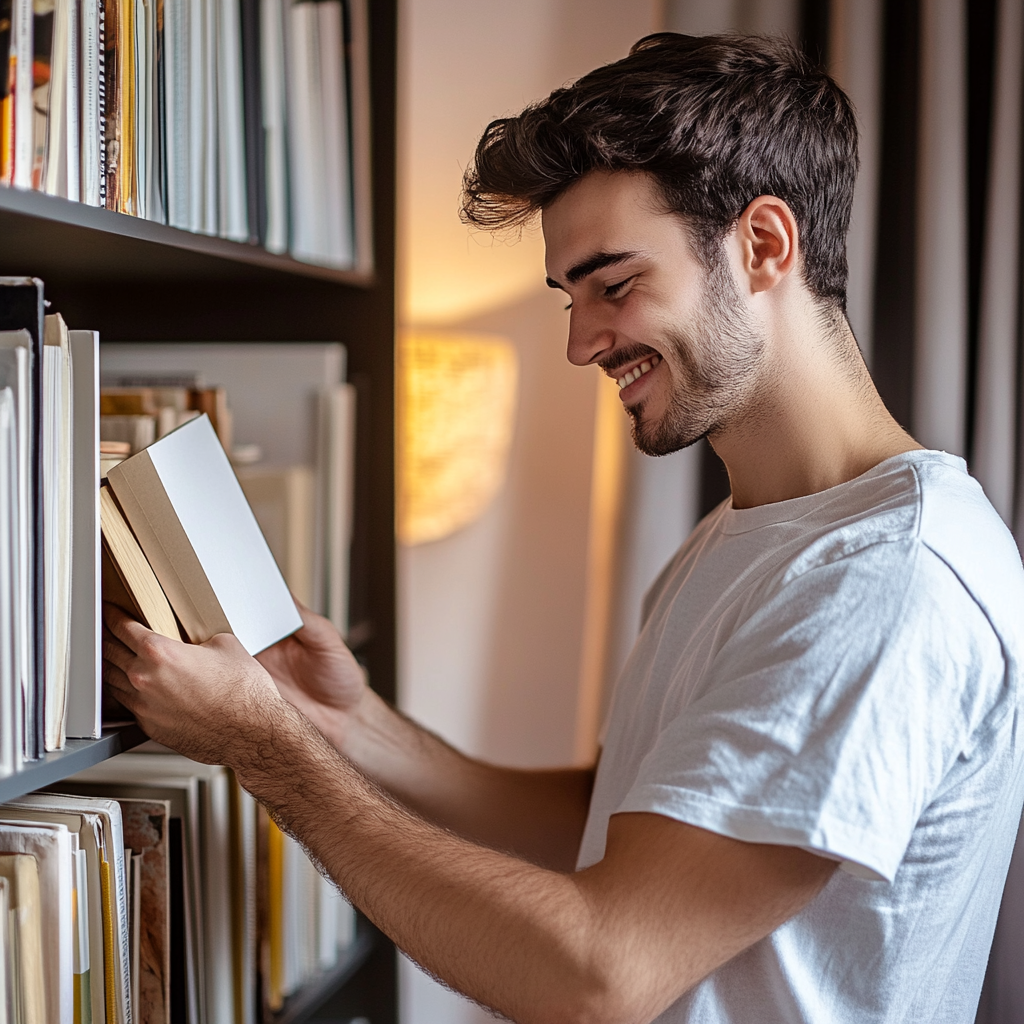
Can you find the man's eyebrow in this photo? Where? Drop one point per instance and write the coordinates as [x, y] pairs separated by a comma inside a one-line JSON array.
[[598, 261]]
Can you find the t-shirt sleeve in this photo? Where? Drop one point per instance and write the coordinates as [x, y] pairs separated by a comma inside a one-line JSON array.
[[831, 715]]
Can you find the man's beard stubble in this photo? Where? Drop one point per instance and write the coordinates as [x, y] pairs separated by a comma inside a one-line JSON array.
[[714, 364]]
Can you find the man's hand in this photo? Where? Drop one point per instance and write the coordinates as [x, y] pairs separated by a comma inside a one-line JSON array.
[[211, 701], [315, 671]]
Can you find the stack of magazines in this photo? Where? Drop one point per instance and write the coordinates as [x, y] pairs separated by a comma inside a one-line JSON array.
[[221, 117]]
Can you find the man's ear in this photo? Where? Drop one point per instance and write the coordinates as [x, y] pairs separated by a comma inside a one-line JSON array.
[[769, 242]]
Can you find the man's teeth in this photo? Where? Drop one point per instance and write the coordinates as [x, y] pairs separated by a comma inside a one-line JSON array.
[[638, 371]]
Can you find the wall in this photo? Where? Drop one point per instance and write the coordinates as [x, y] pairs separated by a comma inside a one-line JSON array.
[[491, 619]]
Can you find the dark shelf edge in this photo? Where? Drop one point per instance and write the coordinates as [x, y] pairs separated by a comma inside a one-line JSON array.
[[39, 205], [76, 755], [317, 991]]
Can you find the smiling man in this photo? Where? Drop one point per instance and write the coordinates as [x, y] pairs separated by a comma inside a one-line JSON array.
[[812, 769]]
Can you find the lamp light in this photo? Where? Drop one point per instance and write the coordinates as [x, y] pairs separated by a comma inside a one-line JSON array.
[[456, 411]]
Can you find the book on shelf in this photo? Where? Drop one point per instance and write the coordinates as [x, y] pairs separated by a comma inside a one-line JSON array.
[[234, 118], [184, 504]]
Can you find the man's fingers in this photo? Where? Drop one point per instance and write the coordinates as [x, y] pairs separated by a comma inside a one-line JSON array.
[[124, 627], [118, 681], [116, 652]]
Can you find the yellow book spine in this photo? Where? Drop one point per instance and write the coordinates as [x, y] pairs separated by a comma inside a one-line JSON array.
[[109, 938], [275, 914]]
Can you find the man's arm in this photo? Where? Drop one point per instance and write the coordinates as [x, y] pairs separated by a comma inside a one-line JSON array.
[[618, 942], [538, 815]]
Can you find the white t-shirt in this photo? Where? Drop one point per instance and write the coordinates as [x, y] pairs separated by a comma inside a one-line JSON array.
[[839, 672]]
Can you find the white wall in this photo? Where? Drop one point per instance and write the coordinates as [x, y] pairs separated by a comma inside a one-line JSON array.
[[491, 619]]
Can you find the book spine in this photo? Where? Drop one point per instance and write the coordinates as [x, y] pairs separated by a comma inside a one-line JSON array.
[[23, 113], [255, 150], [91, 89], [112, 102], [7, 65], [72, 126]]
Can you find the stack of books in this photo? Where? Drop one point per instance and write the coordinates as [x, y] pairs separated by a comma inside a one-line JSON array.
[[152, 889], [238, 118]]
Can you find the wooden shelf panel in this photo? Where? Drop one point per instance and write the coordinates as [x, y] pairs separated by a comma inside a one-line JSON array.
[[46, 236], [317, 991], [76, 755]]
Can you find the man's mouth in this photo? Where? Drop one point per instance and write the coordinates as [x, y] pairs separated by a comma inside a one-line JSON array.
[[638, 371]]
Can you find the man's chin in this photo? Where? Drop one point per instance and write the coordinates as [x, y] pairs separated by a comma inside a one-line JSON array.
[[658, 438]]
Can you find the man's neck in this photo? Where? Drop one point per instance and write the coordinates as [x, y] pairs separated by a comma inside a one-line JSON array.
[[817, 421]]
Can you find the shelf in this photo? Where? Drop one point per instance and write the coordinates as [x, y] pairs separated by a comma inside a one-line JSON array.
[[315, 992], [52, 237], [76, 755]]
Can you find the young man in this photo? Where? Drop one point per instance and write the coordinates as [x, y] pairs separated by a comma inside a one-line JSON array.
[[812, 771]]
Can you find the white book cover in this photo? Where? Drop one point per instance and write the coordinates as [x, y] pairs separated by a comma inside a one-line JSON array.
[[91, 133], [84, 680], [14, 373], [57, 514], [52, 848], [234, 220], [219, 557]]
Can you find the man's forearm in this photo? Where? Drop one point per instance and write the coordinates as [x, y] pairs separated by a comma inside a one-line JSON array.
[[457, 908], [538, 815]]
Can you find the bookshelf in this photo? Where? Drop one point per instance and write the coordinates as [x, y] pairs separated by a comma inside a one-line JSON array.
[[135, 280]]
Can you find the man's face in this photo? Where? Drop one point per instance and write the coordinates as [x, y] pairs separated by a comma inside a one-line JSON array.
[[672, 332]]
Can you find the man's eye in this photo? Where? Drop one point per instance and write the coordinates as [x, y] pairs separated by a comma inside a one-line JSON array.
[[569, 306], [613, 289]]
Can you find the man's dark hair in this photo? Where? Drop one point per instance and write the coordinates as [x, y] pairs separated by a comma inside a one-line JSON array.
[[717, 121]]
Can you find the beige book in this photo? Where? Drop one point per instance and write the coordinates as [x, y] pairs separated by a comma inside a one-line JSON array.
[[26, 932], [138, 431], [283, 499], [128, 579], [192, 521]]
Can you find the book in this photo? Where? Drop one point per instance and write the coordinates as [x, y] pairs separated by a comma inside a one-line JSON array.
[[207, 552], [50, 845], [91, 147], [80, 819], [10, 682], [23, 128], [147, 835], [128, 579], [86, 661], [57, 512], [7, 66], [21, 308], [283, 500], [17, 539], [21, 873]]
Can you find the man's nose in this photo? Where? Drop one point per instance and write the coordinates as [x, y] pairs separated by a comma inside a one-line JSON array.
[[589, 340]]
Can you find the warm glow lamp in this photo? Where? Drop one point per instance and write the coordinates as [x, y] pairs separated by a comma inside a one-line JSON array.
[[456, 410]]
